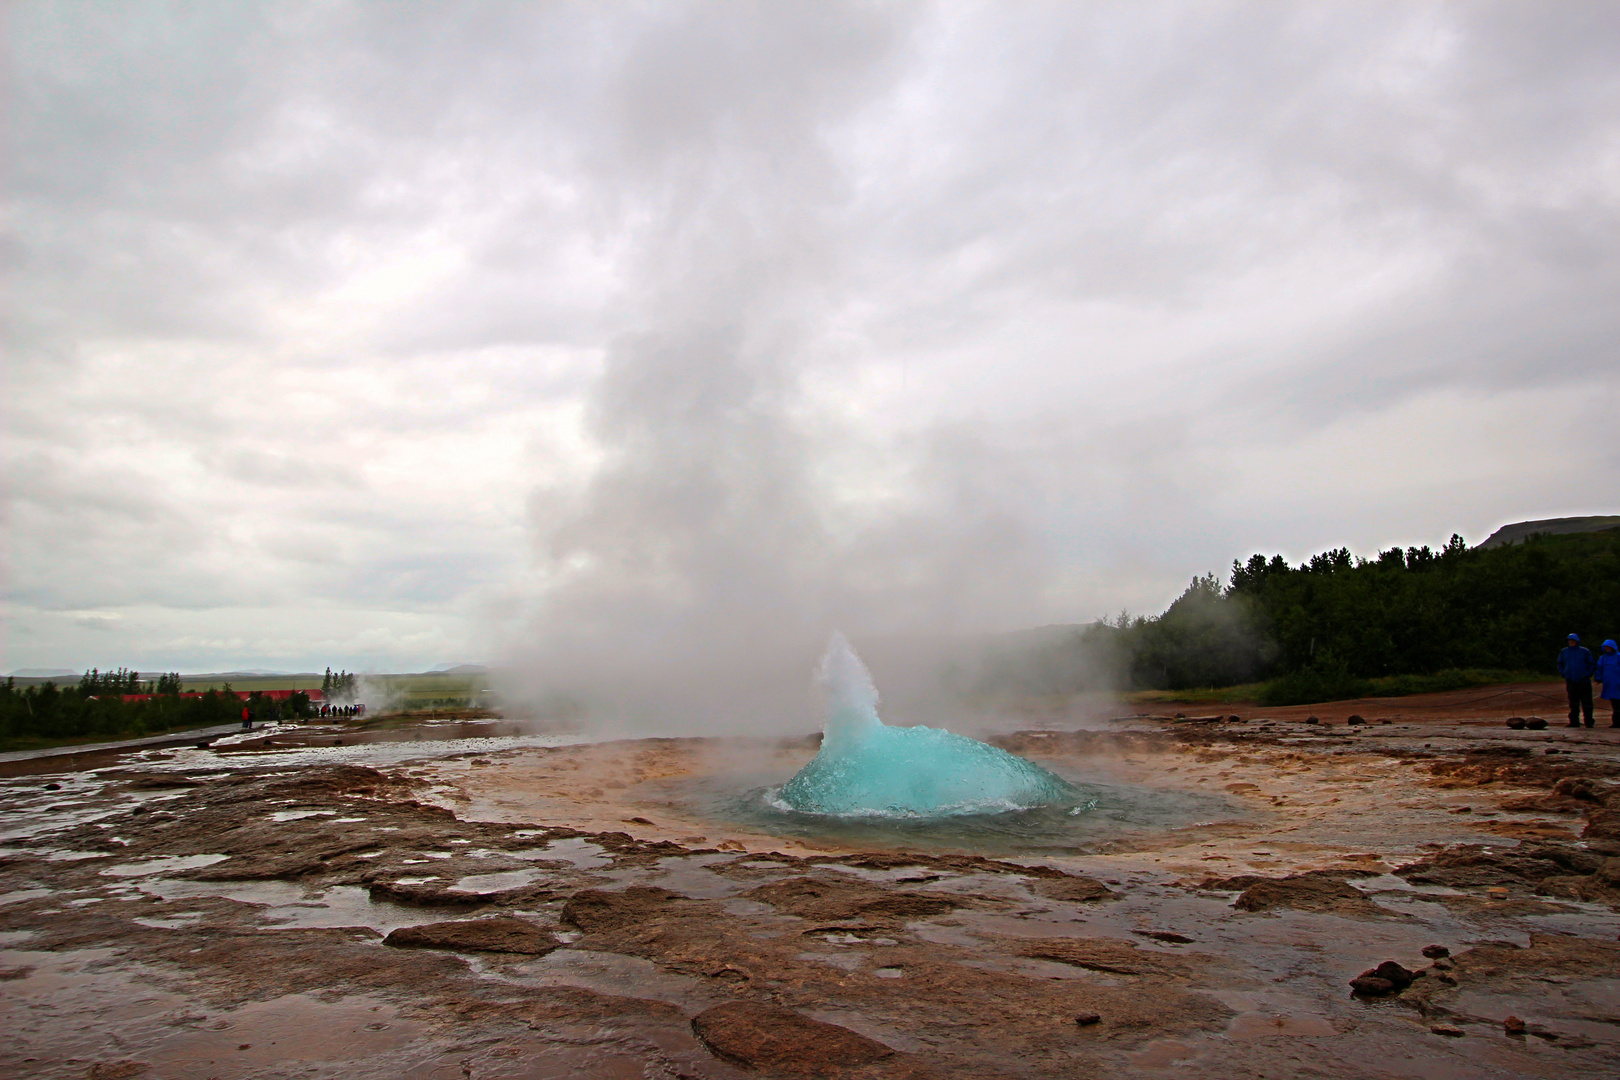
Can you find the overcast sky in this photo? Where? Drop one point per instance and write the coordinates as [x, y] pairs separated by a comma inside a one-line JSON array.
[[391, 335]]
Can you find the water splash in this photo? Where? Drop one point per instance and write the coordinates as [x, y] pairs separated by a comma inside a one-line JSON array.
[[868, 769]]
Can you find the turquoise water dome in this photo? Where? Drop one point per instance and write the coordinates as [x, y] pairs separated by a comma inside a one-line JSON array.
[[868, 769]]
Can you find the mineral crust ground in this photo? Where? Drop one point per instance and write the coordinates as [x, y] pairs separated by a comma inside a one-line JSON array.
[[450, 906]]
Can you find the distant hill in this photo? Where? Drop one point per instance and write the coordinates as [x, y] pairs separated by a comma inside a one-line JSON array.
[[460, 669], [44, 673], [1523, 530]]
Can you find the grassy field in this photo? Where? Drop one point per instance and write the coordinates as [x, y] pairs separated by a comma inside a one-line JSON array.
[[1388, 686], [404, 692]]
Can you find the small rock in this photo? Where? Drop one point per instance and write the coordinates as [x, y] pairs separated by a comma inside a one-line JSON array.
[[1516, 723], [1234, 719], [1435, 951], [1513, 1026], [1371, 986], [53, 787], [1447, 1030], [1313, 720], [1087, 1019], [1355, 718], [1392, 971], [1535, 723]]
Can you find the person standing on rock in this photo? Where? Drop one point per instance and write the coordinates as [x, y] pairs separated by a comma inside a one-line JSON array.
[[1576, 665], [1608, 673]]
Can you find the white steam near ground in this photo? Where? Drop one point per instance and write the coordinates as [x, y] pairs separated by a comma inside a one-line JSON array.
[[634, 348]]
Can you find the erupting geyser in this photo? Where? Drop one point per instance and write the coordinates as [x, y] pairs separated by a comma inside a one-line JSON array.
[[866, 768]]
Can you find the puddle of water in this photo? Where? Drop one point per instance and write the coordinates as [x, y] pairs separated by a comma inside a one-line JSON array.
[[582, 854], [161, 864], [613, 973], [510, 879], [17, 895], [298, 815], [288, 905], [269, 1035]]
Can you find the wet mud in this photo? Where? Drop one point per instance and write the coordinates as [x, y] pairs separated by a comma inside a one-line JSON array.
[[503, 908]]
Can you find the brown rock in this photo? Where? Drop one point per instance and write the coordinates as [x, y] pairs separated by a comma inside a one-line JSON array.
[[503, 934], [1434, 952], [1448, 1030], [1535, 723], [776, 1040], [597, 910], [1371, 986], [1516, 723], [1513, 1025], [1087, 1019], [1072, 888], [1354, 719], [1393, 972], [830, 899], [1098, 954], [1308, 892]]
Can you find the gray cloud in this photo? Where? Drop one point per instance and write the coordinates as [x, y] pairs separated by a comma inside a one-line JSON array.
[[695, 330]]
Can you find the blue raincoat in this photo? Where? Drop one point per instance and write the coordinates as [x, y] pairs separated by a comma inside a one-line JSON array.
[[1575, 663], [1608, 671]]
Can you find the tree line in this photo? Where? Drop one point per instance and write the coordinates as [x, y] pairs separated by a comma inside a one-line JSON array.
[[1324, 629], [96, 708]]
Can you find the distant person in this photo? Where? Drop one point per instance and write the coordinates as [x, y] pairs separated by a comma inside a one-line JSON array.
[[247, 718], [1576, 665], [1608, 673]]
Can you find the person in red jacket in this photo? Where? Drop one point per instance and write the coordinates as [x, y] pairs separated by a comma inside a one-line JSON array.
[[247, 719]]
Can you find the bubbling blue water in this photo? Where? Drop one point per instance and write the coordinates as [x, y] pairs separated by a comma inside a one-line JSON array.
[[868, 769]]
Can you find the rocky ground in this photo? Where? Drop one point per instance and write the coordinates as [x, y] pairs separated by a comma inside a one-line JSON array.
[[254, 911]]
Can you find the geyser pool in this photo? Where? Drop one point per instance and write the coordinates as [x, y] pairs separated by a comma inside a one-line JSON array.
[[867, 769]]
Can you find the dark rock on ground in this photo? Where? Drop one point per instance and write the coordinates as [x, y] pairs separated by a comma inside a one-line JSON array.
[[1327, 892], [1371, 986], [780, 1041], [826, 899], [1087, 1019], [1535, 723], [439, 894], [501, 934], [597, 910], [1434, 952]]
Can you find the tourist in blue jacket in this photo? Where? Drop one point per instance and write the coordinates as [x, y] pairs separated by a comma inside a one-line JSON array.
[[1608, 673], [1576, 665]]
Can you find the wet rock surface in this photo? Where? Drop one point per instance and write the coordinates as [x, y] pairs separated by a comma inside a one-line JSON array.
[[498, 934], [329, 920], [781, 1042]]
